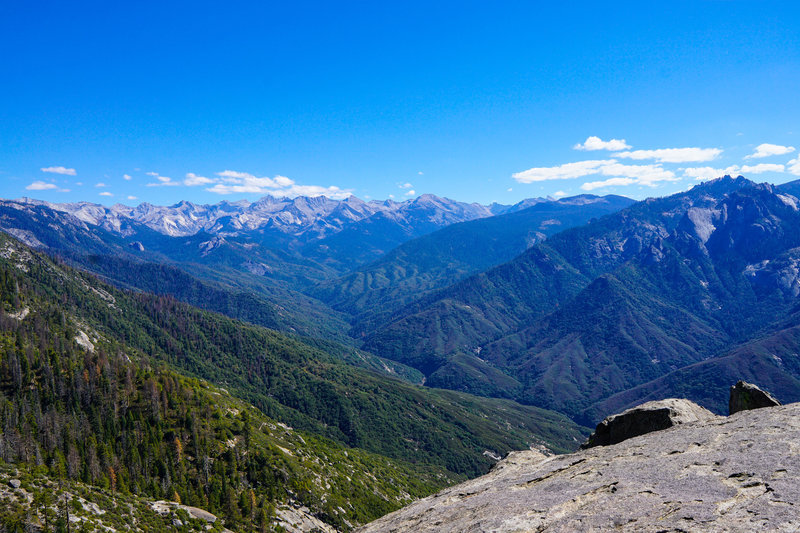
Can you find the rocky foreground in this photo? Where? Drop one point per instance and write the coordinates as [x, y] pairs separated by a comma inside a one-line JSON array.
[[735, 473]]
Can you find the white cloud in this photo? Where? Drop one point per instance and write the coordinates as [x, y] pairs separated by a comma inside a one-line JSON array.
[[235, 175], [127, 177], [643, 174], [621, 174], [560, 172], [283, 181], [405, 185], [315, 190], [233, 182], [559, 194], [596, 143], [41, 186], [106, 193], [60, 170], [611, 182], [132, 197], [793, 167], [411, 192], [707, 173], [509, 189], [419, 173], [761, 168], [767, 150], [673, 155], [163, 181], [249, 183], [193, 179], [100, 185]]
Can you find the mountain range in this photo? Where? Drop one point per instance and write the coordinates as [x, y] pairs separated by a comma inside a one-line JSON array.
[[433, 334], [262, 262], [572, 304], [604, 312]]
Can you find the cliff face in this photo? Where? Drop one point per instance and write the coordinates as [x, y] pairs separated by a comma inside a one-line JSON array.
[[736, 473]]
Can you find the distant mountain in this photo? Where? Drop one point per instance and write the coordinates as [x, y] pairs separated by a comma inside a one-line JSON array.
[[241, 280], [248, 260], [307, 217], [792, 187], [444, 256], [293, 242], [367, 239], [271, 248], [603, 308]]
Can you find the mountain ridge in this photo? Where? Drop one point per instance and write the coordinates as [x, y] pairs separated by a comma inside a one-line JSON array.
[[706, 258], [442, 257], [296, 216]]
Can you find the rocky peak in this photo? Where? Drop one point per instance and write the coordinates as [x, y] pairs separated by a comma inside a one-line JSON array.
[[722, 186]]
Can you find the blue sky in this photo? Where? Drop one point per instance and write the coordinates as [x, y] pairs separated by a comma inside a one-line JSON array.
[[162, 101]]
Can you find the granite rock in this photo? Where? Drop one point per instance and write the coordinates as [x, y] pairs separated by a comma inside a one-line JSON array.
[[734, 473], [745, 396], [644, 418]]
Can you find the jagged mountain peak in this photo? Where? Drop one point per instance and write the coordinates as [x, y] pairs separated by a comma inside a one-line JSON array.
[[723, 185], [290, 215], [426, 199]]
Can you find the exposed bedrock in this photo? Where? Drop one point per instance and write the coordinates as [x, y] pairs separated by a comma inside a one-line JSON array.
[[736, 473]]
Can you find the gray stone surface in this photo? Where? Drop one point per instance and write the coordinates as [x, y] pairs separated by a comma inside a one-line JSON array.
[[644, 418], [745, 396], [736, 473], [298, 519]]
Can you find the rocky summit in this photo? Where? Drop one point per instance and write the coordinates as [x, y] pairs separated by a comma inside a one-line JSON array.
[[735, 473]]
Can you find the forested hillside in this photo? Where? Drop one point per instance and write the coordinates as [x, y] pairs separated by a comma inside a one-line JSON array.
[[375, 291], [102, 413], [108, 388], [606, 307]]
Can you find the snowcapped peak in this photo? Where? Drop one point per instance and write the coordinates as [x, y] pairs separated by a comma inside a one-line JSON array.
[[313, 217]]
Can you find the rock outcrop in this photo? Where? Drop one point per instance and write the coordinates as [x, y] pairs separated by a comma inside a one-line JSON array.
[[734, 473], [645, 418], [746, 396]]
